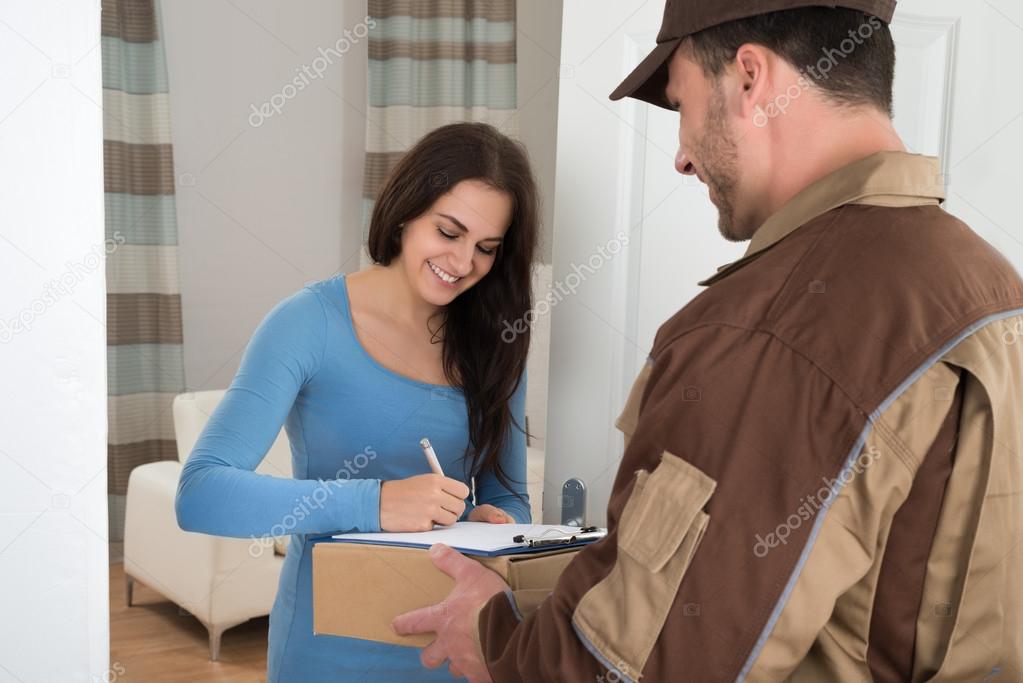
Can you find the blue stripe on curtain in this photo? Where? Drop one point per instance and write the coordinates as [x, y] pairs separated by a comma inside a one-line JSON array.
[[145, 368], [442, 82], [138, 68], [142, 219]]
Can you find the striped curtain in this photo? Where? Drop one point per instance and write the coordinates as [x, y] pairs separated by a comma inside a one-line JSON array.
[[144, 339], [433, 62]]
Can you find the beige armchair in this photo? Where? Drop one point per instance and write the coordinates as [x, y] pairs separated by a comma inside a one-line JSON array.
[[221, 581]]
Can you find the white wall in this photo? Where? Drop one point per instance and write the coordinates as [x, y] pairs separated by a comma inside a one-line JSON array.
[[265, 204], [53, 523]]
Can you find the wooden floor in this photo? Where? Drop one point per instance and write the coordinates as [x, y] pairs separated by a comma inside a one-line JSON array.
[[153, 641]]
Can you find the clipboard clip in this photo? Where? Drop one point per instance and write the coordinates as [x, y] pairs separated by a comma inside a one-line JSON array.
[[558, 537]]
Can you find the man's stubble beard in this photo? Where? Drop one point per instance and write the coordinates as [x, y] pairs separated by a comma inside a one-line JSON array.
[[719, 151]]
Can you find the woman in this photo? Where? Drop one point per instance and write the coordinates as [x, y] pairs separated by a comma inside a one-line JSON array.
[[359, 368]]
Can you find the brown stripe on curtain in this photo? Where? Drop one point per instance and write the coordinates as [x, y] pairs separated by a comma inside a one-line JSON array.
[[378, 165], [137, 169], [495, 53], [146, 318], [133, 21]]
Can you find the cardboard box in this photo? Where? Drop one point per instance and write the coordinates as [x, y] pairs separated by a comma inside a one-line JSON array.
[[358, 589]]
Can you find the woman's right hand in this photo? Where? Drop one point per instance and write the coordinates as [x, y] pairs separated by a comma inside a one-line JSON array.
[[417, 503]]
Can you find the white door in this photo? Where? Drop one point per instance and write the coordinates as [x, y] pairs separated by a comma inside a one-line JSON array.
[[956, 97]]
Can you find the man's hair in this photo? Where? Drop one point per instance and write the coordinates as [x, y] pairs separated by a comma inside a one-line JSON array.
[[848, 55]]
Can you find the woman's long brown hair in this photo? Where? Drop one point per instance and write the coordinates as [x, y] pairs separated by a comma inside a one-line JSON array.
[[477, 359]]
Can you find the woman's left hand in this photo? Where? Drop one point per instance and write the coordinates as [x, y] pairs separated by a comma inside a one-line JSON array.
[[491, 514]]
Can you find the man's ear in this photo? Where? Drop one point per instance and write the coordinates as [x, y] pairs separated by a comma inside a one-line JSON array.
[[754, 79]]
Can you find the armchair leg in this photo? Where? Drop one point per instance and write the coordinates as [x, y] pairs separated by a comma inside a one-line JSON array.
[[215, 634], [129, 589]]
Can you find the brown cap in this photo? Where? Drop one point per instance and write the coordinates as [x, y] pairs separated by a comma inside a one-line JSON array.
[[685, 17]]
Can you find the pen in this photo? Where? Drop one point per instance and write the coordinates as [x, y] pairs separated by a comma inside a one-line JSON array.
[[431, 457]]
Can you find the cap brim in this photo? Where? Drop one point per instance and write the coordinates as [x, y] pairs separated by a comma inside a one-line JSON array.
[[648, 80]]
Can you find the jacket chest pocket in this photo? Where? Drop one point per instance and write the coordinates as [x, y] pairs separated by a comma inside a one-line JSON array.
[[659, 531]]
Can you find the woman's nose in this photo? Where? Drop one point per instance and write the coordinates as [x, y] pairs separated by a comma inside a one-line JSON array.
[[461, 260]]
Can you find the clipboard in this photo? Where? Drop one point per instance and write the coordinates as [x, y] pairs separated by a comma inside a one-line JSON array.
[[483, 539]]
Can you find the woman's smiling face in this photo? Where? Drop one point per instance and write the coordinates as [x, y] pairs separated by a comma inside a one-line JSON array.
[[453, 245]]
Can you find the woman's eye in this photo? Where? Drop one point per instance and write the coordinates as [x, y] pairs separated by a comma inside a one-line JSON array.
[[482, 250]]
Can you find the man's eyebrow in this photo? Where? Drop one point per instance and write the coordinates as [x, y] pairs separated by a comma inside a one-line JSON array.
[[461, 226]]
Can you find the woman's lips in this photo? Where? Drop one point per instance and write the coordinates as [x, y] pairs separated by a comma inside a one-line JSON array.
[[451, 285]]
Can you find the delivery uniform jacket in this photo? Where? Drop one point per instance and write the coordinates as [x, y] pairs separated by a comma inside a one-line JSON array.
[[823, 467]]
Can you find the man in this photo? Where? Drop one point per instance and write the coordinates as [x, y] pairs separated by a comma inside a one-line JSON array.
[[842, 499]]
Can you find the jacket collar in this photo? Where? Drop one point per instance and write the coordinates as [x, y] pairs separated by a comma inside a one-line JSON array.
[[882, 179]]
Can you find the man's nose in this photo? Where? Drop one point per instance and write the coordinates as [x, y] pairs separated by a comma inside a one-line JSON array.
[[682, 163]]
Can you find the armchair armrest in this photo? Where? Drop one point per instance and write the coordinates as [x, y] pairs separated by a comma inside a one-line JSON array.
[[217, 579]]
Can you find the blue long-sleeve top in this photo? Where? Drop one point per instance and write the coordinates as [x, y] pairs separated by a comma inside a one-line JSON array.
[[351, 423]]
